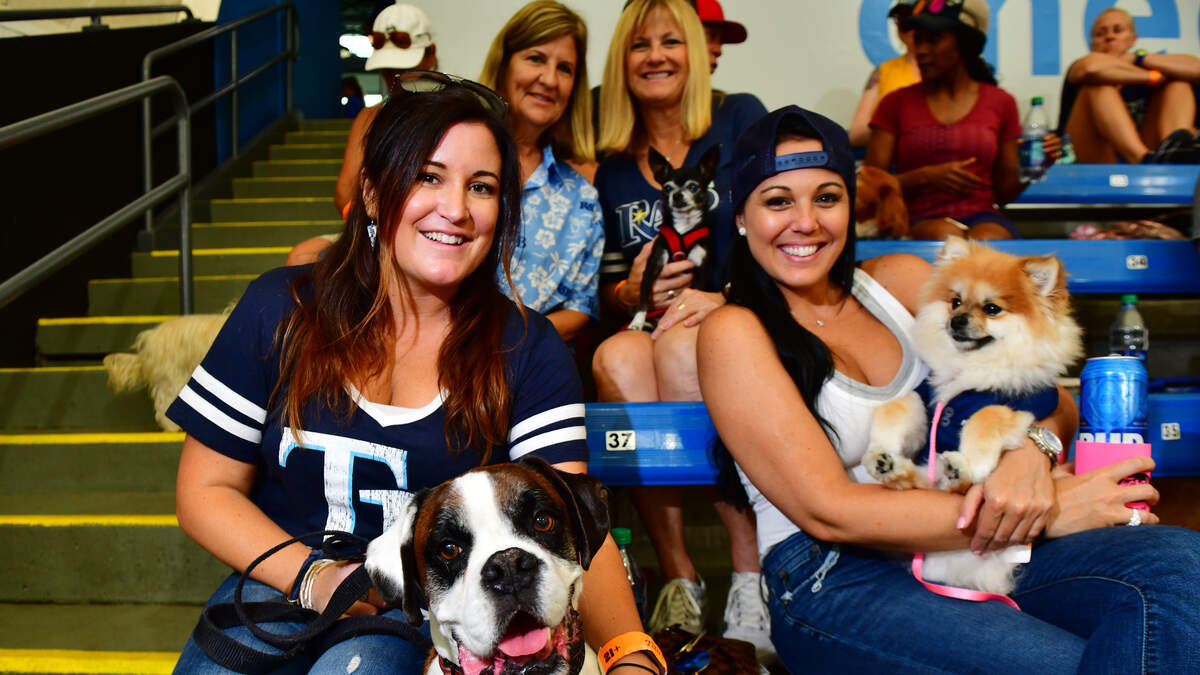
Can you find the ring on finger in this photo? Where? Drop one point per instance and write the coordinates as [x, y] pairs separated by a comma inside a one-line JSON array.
[[1135, 518], [679, 306], [671, 293]]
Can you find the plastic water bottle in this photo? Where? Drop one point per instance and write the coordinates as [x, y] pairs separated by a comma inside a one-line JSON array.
[[1129, 335], [1034, 128], [622, 536]]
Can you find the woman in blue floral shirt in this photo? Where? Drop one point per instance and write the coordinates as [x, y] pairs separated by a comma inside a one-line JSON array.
[[537, 62]]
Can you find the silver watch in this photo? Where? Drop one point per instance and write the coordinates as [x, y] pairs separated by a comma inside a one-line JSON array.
[[1047, 442]]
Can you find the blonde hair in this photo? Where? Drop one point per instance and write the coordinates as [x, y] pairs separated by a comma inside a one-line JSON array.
[[619, 123], [536, 23]]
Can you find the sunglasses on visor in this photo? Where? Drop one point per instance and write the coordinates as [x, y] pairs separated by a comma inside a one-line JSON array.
[[425, 81]]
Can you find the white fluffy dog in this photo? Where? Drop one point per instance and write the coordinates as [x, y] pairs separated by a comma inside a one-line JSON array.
[[164, 358]]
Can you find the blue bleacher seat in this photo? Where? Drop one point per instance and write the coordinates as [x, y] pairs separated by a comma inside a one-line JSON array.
[[1112, 185], [668, 443], [1100, 266]]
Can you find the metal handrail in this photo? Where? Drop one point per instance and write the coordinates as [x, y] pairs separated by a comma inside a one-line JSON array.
[[289, 54], [94, 13], [180, 183]]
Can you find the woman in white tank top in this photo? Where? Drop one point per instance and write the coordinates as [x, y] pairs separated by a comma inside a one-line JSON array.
[[790, 370]]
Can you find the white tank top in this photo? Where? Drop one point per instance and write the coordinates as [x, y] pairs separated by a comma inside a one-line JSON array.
[[847, 405]]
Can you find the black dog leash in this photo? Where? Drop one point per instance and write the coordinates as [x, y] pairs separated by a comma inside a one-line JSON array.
[[322, 630]]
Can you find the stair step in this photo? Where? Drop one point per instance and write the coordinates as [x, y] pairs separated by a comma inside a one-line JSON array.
[[286, 186], [70, 661], [69, 399], [325, 124], [103, 557], [160, 295], [273, 209], [317, 136], [103, 628], [210, 261], [91, 335], [260, 233], [83, 464], [307, 151], [329, 168]]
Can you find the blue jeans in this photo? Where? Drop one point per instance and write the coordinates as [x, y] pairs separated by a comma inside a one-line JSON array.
[[1110, 600], [364, 655]]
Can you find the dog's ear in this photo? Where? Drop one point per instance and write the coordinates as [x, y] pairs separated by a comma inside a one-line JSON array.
[[953, 249], [1046, 273], [891, 213], [660, 168], [587, 506], [392, 564], [709, 160]]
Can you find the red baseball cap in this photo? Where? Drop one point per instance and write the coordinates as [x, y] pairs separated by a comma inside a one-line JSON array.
[[710, 13]]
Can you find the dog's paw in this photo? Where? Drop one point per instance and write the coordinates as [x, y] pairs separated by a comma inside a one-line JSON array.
[[891, 470], [953, 472], [638, 322]]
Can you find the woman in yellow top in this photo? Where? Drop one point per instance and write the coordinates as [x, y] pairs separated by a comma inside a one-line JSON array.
[[887, 77]]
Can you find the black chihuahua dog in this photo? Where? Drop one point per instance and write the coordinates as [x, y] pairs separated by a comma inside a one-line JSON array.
[[685, 233]]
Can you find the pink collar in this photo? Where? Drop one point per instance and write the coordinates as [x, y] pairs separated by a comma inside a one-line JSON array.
[[919, 558]]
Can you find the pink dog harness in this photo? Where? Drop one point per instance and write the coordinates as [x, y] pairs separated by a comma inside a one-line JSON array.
[[919, 557]]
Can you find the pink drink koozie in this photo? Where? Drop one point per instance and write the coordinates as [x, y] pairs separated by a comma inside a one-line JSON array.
[[1090, 455]]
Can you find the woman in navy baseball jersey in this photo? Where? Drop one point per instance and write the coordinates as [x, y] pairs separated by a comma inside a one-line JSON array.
[[657, 93], [337, 390]]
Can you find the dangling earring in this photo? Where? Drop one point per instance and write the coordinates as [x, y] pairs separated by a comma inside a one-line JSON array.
[[742, 231], [371, 232]]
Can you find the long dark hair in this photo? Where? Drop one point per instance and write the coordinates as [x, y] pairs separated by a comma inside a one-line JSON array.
[[804, 356], [970, 50], [345, 331]]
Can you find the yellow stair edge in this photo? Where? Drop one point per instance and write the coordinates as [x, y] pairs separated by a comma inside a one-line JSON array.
[[92, 438], [267, 223], [251, 250], [53, 369], [88, 519], [105, 320], [85, 661], [271, 200], [159, 280]]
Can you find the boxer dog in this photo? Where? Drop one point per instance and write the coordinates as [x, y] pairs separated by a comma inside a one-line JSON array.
[[497, 555]]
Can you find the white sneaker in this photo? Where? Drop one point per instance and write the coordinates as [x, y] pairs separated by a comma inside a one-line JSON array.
[[746, 616], [680, 603]]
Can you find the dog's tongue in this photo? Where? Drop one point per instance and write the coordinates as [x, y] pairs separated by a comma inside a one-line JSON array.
[[527, 643]]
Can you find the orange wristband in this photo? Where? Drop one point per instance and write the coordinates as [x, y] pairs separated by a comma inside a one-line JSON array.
[[1156, 78], [346, 210], [627, 643], [617, 290]]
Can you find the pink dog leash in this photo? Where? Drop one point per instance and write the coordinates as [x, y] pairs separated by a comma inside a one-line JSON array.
[[919, 557]]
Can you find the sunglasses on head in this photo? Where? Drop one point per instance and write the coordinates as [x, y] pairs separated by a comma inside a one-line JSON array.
[[397, 37], [425, 81]]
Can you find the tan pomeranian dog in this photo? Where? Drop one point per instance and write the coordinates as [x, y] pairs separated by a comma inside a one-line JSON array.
[[879, 208], [164, 358], [996, 331]]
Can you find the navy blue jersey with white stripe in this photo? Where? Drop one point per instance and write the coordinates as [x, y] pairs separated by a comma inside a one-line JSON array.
[[357, 475]]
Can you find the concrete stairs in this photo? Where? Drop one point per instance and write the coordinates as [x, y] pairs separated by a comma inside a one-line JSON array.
[[98, 576]]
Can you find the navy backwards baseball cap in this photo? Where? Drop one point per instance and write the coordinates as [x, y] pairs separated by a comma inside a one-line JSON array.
[[754, 157]]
